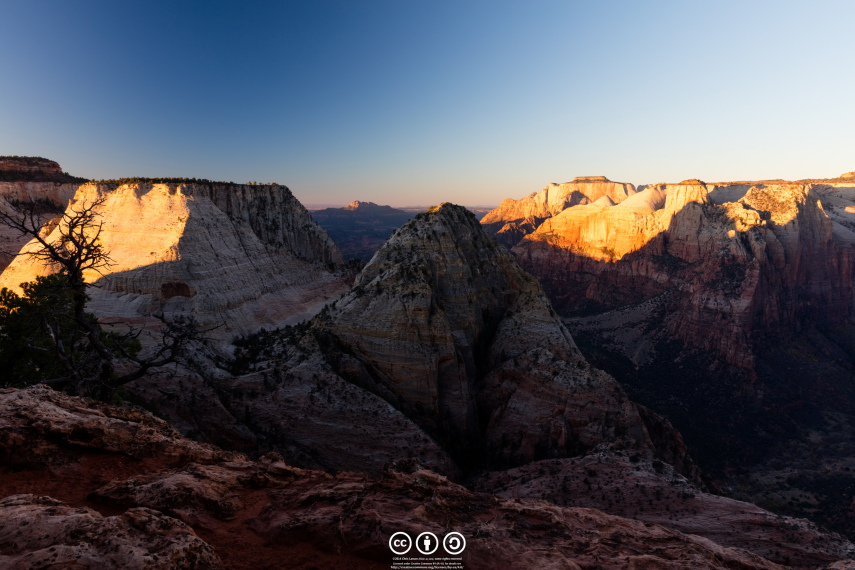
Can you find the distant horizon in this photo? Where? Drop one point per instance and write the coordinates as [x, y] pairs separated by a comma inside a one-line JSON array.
[[401, 103], [315, 206], [309, 204]]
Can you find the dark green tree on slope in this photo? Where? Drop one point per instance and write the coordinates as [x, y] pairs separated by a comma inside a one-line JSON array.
[[47, 336]]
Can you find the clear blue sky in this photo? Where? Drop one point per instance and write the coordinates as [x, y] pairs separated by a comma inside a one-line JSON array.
[[416, 102]]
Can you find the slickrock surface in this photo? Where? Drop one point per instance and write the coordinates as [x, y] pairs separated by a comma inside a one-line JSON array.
[[499, 533], [54, 445], [516, 218], [41, 532], [304, 410], [257, 514], [38, 426], [651, 491], [233, 256]]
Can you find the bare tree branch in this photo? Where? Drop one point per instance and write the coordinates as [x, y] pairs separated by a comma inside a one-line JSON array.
[[74, 246]]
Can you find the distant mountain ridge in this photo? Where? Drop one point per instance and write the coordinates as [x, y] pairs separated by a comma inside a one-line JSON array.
[[361, 228]]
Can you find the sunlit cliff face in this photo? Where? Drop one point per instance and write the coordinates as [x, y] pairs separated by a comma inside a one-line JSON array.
[[608, 232], [555, 198], [234, 257], [740, 262], [144, 227]]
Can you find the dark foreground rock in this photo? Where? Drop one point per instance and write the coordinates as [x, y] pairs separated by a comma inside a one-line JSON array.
[[41, 532], [127, 492]]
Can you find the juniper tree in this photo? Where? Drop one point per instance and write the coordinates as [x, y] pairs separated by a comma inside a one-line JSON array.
[[47, 335]]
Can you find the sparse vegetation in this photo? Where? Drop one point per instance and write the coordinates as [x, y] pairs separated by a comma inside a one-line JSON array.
[[257, 348], [47, 335], [175, 180]]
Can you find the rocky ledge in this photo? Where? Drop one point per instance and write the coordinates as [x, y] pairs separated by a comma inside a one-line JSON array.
[[78, 496]]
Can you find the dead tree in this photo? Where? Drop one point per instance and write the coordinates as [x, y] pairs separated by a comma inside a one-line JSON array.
[[74, 249]]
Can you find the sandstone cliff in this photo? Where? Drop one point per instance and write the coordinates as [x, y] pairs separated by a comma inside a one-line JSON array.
[[51, 199], [727, 307], [234, 256], [33, 169], [450, 348], [31, 180], [754, 261], [515, 218]]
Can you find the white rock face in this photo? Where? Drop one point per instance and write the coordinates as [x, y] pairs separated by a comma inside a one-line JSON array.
[[236, 257], [556, 197], [838, 201], [514, 219]]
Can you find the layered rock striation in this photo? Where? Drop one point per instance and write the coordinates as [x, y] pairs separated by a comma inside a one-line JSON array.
[[33, 169], [452, 350], [235, 257], [47, 198], [31, 181], [445, 325], [515, 218], [742, 265], [728, 308]]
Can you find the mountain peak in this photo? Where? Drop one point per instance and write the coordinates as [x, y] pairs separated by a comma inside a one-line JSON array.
[[447, 209], [444, 324], [359, 205]]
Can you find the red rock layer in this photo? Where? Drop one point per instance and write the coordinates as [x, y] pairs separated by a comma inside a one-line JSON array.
[[129, 506]]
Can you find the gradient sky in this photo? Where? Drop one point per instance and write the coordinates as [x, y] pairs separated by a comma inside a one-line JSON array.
[[403, 102]]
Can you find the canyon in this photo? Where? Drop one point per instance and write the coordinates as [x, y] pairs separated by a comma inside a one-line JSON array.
[[505, 388], [727, 307], [752, 258]]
